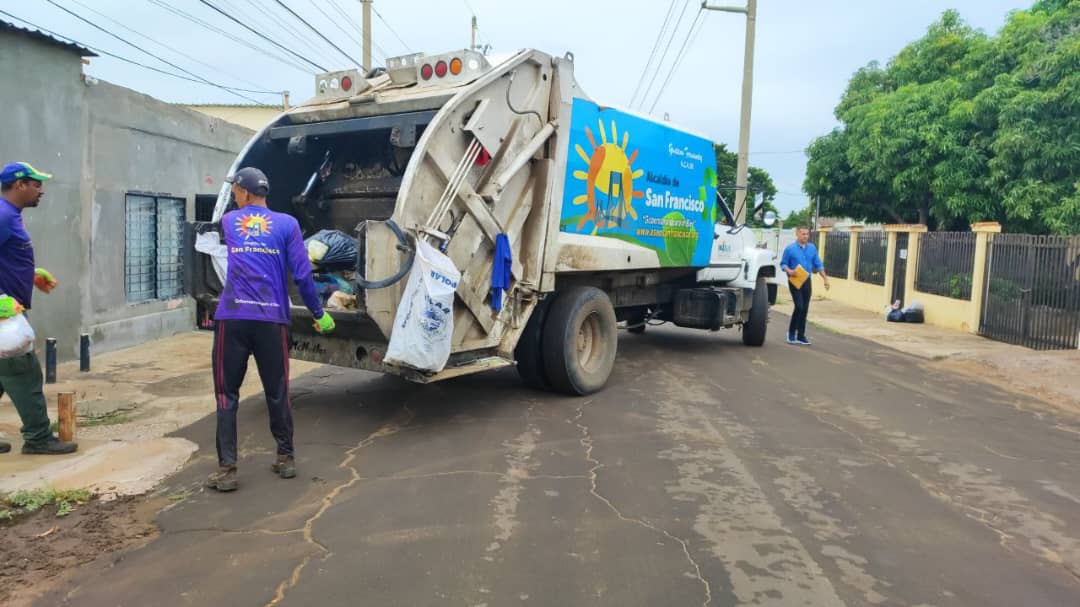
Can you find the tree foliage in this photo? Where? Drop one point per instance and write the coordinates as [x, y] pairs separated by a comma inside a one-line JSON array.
[[962, 127], [758, 181]]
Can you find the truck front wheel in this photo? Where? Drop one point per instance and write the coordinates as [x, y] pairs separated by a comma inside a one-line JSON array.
[[753, 330], [580, 337]]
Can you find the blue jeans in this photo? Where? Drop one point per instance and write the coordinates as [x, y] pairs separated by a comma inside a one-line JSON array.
[[801, 298]]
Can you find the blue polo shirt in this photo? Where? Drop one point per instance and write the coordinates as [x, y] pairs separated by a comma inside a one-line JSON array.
[[807, 257], [16, 255]]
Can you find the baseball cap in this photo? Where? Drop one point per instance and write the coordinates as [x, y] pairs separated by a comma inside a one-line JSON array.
[[252, 180], [15, 171]]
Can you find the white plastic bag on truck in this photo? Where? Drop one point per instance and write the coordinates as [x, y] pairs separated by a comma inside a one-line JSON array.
[[424, 324], [16, 336], [210, 243]]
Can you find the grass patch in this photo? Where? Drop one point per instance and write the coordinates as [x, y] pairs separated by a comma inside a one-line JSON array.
[[112, 418], [22, 503]]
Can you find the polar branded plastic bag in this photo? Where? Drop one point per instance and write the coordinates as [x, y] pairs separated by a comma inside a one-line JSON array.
[[16, 336], [424, 324]]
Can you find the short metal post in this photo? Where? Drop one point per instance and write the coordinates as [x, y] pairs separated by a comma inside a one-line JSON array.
[[84, 352], [50, 360]]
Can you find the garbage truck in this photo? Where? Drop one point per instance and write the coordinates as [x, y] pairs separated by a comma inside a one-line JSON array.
[[608, 219]]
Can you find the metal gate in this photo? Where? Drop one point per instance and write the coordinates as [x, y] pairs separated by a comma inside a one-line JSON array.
[[900, 267], [1032, 292]]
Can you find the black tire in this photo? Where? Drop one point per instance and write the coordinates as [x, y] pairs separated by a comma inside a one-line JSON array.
[[753, 330], [580, 338], [529, 350]]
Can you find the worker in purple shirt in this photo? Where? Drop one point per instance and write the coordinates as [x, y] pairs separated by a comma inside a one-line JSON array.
[[21, 188], [253, 318], [801, 253]]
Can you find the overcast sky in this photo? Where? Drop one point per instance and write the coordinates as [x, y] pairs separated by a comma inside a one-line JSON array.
[[806, 51]]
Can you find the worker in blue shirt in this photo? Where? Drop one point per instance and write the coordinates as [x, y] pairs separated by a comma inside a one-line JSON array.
[[20, 376], [801, 253]]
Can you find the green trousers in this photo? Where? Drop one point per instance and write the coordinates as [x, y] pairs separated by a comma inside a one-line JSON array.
[[20, 378]]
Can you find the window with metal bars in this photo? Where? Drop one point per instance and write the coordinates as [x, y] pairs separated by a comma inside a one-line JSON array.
[[153, 256]]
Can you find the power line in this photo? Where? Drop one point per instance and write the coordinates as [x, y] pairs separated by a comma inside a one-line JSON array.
[[276, 57], [341, 29], [691, 35], [178, 52], [387, 24], [98, 50], [317, 32], [261, 35], [652, 53], [360, 30], [283, 23], [660, 63]]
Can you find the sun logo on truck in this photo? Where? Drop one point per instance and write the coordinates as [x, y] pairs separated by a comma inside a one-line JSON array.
[[254, 225], [609, 182]]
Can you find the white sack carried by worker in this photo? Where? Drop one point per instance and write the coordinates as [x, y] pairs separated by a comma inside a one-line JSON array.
[[424, 323], [210, 243], [16, 336]]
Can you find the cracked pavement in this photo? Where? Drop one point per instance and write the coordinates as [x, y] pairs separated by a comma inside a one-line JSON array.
[[706, 473]]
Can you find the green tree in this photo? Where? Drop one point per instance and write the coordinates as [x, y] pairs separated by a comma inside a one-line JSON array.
[[961, 127], [758, 182]]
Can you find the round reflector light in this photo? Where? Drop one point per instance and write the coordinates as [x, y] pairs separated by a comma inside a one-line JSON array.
[[440, 69], [346, 83], [426, 71], [455, 66]]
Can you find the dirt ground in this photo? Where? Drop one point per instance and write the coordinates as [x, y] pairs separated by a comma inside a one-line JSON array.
[[39, 550]]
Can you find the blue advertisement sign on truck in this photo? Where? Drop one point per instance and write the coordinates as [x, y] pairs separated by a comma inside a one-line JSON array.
[[640, 182]]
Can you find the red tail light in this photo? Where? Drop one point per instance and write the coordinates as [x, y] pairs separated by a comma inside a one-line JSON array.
[[440, 69], [346, 83], [426, 71]]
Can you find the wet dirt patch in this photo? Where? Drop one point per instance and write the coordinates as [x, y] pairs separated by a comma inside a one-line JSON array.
[[38, 551]]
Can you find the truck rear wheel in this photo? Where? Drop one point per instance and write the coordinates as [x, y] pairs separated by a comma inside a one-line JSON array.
[[529, 351], [753, 330], [580, 337]]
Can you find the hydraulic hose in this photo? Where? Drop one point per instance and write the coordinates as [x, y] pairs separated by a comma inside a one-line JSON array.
[[404, 244]]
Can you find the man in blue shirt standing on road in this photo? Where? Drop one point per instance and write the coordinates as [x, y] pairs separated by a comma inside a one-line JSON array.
[[801, 253], [20, 377], [253, 318]]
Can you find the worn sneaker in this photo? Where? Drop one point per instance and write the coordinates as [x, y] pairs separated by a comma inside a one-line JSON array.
[[223, 480], [52, 446], [4, 446], [285, 466], [791, 338], [802, 341]]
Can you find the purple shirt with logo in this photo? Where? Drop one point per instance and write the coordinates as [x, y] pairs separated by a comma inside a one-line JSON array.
[[263, 247], [16, 255]]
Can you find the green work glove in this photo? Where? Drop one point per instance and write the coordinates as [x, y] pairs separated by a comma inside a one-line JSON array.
[[9, 307], [324, 324], [44, 280]]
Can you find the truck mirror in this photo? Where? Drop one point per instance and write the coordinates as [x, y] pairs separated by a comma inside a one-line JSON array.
[[769, 219]]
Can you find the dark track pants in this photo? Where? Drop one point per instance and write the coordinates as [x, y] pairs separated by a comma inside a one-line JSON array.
[[234, 342], [801, 298]]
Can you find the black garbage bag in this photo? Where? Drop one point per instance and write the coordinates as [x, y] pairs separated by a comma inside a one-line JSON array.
[[895, 315], [913, 315], [332, 250]]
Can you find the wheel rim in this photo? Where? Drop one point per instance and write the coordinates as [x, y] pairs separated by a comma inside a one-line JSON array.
[[588, 341]]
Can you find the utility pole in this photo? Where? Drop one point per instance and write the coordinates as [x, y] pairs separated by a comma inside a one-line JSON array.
[[472, 34], [367, 35], [747, 94], [284, 100]]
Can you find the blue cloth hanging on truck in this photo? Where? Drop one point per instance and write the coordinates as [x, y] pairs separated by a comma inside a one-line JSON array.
[[500, 271]]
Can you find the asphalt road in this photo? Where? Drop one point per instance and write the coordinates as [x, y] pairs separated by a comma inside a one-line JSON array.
[[707, 473]]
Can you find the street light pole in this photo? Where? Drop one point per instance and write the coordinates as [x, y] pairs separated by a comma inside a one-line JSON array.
[[747, 97], [367, 34]]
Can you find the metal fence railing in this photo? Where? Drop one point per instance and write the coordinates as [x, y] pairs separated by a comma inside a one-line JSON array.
[[837, 252], [870, 257], [946, 262], [1032, 295]]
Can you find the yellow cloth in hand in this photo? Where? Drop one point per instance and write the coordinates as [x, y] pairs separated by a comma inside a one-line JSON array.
[[798, 277]]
